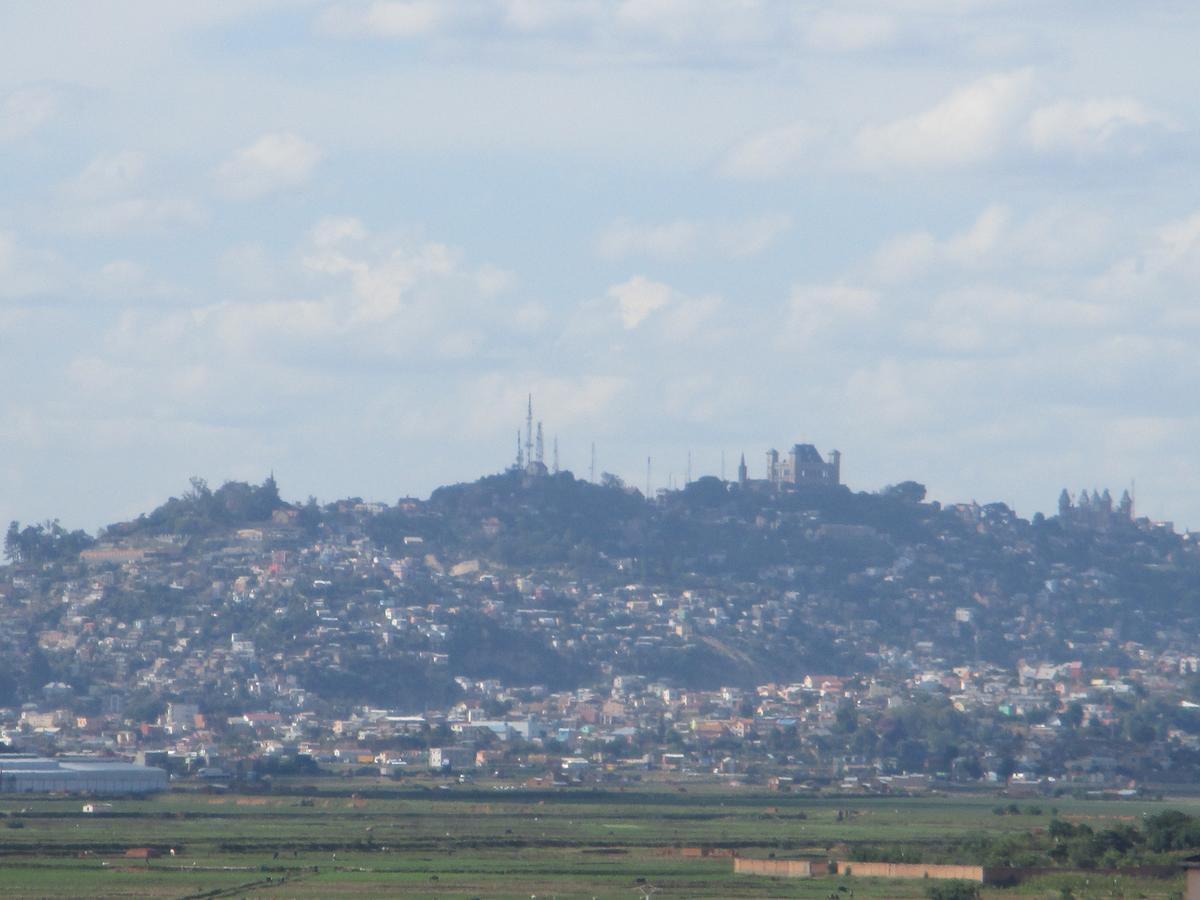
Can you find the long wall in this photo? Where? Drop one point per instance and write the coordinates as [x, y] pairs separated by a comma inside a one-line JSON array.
[[780, 868], [908, 870]]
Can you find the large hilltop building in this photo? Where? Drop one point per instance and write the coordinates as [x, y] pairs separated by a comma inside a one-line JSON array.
[[1095, 510], [803, 465]]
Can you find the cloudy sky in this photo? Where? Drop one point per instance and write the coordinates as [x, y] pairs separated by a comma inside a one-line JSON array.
[[959, 240]]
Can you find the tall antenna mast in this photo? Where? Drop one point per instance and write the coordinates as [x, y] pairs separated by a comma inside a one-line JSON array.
[[540, 454], [556, 454], [592, 472], [529, 431], [520, 451]]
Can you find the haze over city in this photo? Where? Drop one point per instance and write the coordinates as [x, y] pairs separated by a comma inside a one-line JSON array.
[[342, 242]]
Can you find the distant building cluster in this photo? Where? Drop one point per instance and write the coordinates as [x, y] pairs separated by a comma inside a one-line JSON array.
[[1095, 510], [800, 467]]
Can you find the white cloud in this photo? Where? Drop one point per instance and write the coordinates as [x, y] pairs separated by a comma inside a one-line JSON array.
[[122, 275], [816, 308], [24, 272], [108, 176], [750, 237], [911, 254], [492, 280], [384, 18], [1055, 238], [684, 320], [249, 271], [971, 125], [548, 15], [335, 230], [901, 393], [696, 21], [348, 298], [772, 153], [24, 110], [1090, 126], [1170, 260], [150, 213], [384, 279], [111, 196], [684, 238], [849, 31], [274, 162], [676, 22], [671, 240], [637, 298], [990, 319], [125, 280]]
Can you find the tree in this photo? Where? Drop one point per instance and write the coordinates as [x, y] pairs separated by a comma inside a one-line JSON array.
[[1172, 830], [609, 480], [847, 717], [1072, 716], [45, 542], [200, 490], [12, 542], [908, 491]]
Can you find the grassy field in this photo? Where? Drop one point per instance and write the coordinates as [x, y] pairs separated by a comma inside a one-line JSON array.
[[381, 838]]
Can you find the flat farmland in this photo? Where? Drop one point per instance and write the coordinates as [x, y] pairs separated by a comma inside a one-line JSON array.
[[370, 837]]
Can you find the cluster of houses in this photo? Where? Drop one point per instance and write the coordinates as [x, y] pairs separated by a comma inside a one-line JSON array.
[[214, 655]]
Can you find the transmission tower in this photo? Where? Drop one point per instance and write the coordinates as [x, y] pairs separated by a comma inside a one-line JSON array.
[[529, 431]]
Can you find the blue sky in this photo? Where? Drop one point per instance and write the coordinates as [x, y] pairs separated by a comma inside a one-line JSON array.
[[957, 240]]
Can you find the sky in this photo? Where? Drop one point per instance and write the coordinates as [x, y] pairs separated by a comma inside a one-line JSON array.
[[958, 240]]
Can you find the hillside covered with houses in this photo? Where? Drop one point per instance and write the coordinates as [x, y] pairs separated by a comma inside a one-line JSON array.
[[736, 628]]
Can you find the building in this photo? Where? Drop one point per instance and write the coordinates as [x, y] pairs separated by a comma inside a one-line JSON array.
[[803, 466], [1191, 867], [20, 774]]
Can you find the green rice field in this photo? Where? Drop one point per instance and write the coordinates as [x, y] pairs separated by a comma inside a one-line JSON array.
[[362, 837]]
